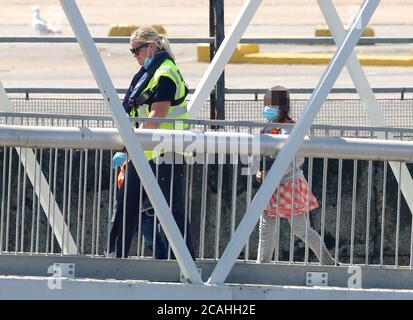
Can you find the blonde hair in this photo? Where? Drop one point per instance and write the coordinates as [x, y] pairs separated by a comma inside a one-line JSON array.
[[149, 35]]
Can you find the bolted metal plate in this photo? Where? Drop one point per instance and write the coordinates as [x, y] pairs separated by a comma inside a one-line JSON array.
[[64, 270], [316, 279]]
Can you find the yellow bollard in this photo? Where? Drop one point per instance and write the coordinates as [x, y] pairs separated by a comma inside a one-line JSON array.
[[324, 31]]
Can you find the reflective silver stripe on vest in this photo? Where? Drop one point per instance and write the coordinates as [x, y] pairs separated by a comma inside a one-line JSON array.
[[144, 111], [177, 79], [177, 111]]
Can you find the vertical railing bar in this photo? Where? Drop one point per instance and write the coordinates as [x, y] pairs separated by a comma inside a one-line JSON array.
[[306, 214], [277, 228], [187, 177], [79, 201], [95, 178], [249, 196], [99, 202], [369, 186], [264, 170], [33, 205], [55, 196], [190, 192], [64, 212], [139, 247], [125, 195], [353, 211], [383, 212], [292, 236], [69, 201], [411, 244], [143, 245], [234, 193], [23, 202], [339, 191], [82, 249], [399, 196], [38, 202], [203, 206], [155, 215], [396, 258], [18, 200], [112, 184], [219, 203], [49, 200], [3, 197], [323, 207], [307, 220], [171, 199], [9, 199]]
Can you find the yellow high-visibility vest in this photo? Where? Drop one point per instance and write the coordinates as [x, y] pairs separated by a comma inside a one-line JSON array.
[[179, 112]]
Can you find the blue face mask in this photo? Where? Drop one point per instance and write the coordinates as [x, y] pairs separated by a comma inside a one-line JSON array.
[[271, 112], [147, 61]]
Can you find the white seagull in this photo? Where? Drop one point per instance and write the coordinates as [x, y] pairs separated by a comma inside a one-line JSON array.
[[40, 25]]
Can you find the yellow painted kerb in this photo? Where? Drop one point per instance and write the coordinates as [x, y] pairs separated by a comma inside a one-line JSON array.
[[320, 59], [239, 53]]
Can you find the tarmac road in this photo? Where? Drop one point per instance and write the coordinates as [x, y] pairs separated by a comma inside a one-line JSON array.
[[62, 65]]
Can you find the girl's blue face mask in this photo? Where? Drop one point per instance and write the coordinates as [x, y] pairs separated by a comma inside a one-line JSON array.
[[271, 113]]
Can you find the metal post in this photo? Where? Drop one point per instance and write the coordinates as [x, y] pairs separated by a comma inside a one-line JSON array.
[[219, 38], [293, 143], [128, 135], [222, 57], [363, 87], [212, 51]]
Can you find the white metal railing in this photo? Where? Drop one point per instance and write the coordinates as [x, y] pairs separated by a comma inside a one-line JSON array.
[[228, 91], [77, 162], [285, 156], [195, 40], [95, 121]]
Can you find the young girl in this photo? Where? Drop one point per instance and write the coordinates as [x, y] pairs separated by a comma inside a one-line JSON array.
[[293, 184]]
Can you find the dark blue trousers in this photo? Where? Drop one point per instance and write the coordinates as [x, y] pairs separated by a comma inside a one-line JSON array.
[[147, 222]]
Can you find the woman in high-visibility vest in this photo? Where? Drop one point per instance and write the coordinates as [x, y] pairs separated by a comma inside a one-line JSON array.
[[292, 197], [158, 90]]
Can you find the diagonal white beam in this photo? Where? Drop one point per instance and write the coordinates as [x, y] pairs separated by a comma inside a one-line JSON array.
[[134, 148], [353, 65], [35, 175], [286, 155], [363, 87], [5, 104], [222, 57]]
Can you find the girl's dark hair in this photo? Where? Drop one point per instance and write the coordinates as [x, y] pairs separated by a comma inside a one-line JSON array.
[[279, 96]]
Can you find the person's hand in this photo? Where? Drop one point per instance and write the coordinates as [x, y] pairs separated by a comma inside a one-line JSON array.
[[118, 159], [260, 175]]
